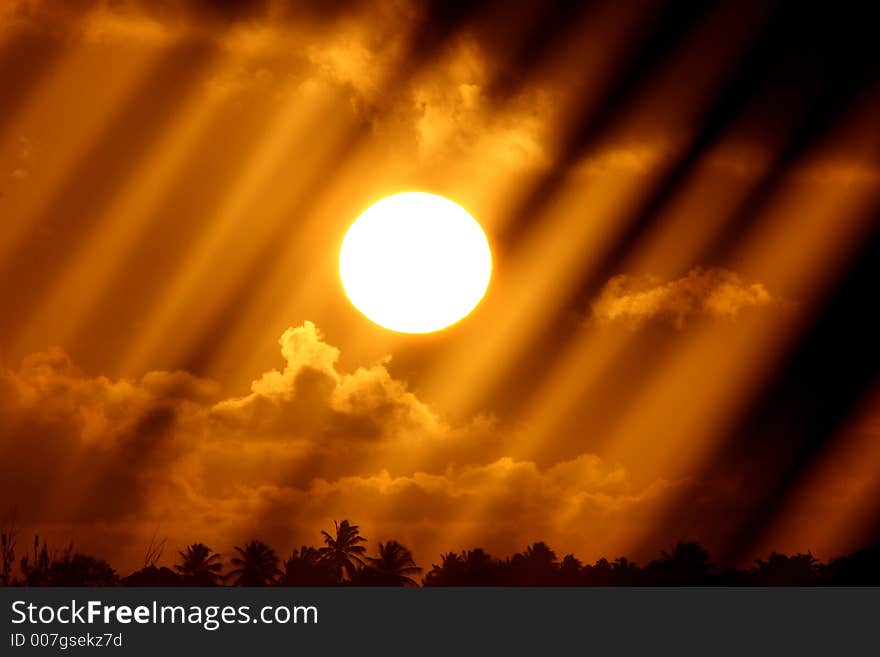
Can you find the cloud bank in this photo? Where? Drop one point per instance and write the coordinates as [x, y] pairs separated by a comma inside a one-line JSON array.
[[715, 293], [107, 462]]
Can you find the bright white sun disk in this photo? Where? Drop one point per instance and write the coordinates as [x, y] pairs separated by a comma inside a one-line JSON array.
[[415, 262]]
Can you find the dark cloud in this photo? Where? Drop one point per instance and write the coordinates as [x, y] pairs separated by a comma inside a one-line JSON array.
[[77, 448]]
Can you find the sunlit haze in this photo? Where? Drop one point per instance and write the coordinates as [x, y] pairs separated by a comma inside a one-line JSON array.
[[477, 274]]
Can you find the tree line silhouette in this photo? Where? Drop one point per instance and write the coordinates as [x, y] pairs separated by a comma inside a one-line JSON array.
[[343, 561]]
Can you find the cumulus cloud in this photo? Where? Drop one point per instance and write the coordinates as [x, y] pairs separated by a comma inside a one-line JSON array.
[[714, 292], [310, 399], [105, 462]]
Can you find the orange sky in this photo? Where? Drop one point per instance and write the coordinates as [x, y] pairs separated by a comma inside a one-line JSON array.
[[674, 198]]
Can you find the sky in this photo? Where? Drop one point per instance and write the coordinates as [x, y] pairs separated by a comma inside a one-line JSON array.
[[678, 340]]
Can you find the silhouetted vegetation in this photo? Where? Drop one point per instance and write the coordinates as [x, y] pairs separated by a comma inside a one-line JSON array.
[[68, 568], [393, 567], [199, 565], [343, 551], [256, 564], [343, 561], [307, 567]]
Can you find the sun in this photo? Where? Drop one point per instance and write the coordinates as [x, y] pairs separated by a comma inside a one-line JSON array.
[[415, 263]]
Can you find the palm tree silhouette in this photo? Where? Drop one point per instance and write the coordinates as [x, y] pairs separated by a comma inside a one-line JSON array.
[[466, 568], [200, 564], [343, 551], [305, 567], [540, 555], [394, 565], [687, 565], [625, 571], [783, 570], [481, 568], [570, 571], [537, 565], [450, 572], [256, 565], [477, 559]]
